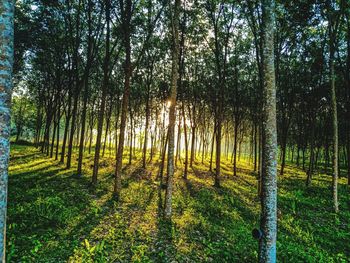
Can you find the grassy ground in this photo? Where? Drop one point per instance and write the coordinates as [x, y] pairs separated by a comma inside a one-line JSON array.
[[54, 217]]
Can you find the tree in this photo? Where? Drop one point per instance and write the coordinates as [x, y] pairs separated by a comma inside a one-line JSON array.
[[126, 14], [6, 65], [172, 100], [104, 94], [268, 223], [333, 26]]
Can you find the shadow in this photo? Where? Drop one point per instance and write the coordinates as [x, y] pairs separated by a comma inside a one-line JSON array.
[[23, 157], [42, 204], [164, 248]]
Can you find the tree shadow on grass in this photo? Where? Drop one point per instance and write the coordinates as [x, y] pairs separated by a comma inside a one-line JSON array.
[[221, 218], [164, 248], [43, 203]]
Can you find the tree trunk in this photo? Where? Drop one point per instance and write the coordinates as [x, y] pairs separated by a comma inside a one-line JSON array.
[[66, 127], [131, 136], [6, 63], [53, 133], [83, 124], [284, 149], [268, 223], [218, 149], [193, 139], [145, 141], [332, 38], [312, 158], [125, 102], [58, 132], [173, 92], [178, 153], [108, 121], [212, 149], [103, 98], [235, 148], [72, 128], [186, 141], [161, 168]]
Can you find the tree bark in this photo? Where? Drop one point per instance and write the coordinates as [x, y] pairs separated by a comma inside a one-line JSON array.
[[103, 98], [126, 18], [332, 40], [186, 141], [172, 117], [268, 223], [6, 66]]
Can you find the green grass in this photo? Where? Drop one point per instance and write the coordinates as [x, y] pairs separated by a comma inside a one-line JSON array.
[[54, 217]]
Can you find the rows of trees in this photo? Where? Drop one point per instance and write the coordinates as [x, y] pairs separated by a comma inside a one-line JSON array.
[[188, 81]]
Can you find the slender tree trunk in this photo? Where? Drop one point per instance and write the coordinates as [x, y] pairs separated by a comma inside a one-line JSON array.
[[108, 121], [235, 148], [66, 127], [161, 168], [268, 223], [131, 136], [178, 142], [284, 149], [348, 93], [186, 141], [212, 149], [6, 64], [83, 124], [332, 33], [218, 149], [193, 139], [53, 133], [312, 158], [145, 141], [72, 129], [58, 131], [86, 89], [172, 117], [255, 147], [125, 102], [104, 95]]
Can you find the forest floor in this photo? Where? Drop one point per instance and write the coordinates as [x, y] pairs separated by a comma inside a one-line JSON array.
[[55, 217]]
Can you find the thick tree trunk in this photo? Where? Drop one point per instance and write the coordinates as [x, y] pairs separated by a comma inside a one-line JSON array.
[[268, 223], [172, 117], [6, 64]]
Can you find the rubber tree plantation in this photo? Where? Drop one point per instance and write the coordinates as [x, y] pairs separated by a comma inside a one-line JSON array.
[[175, 131]]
